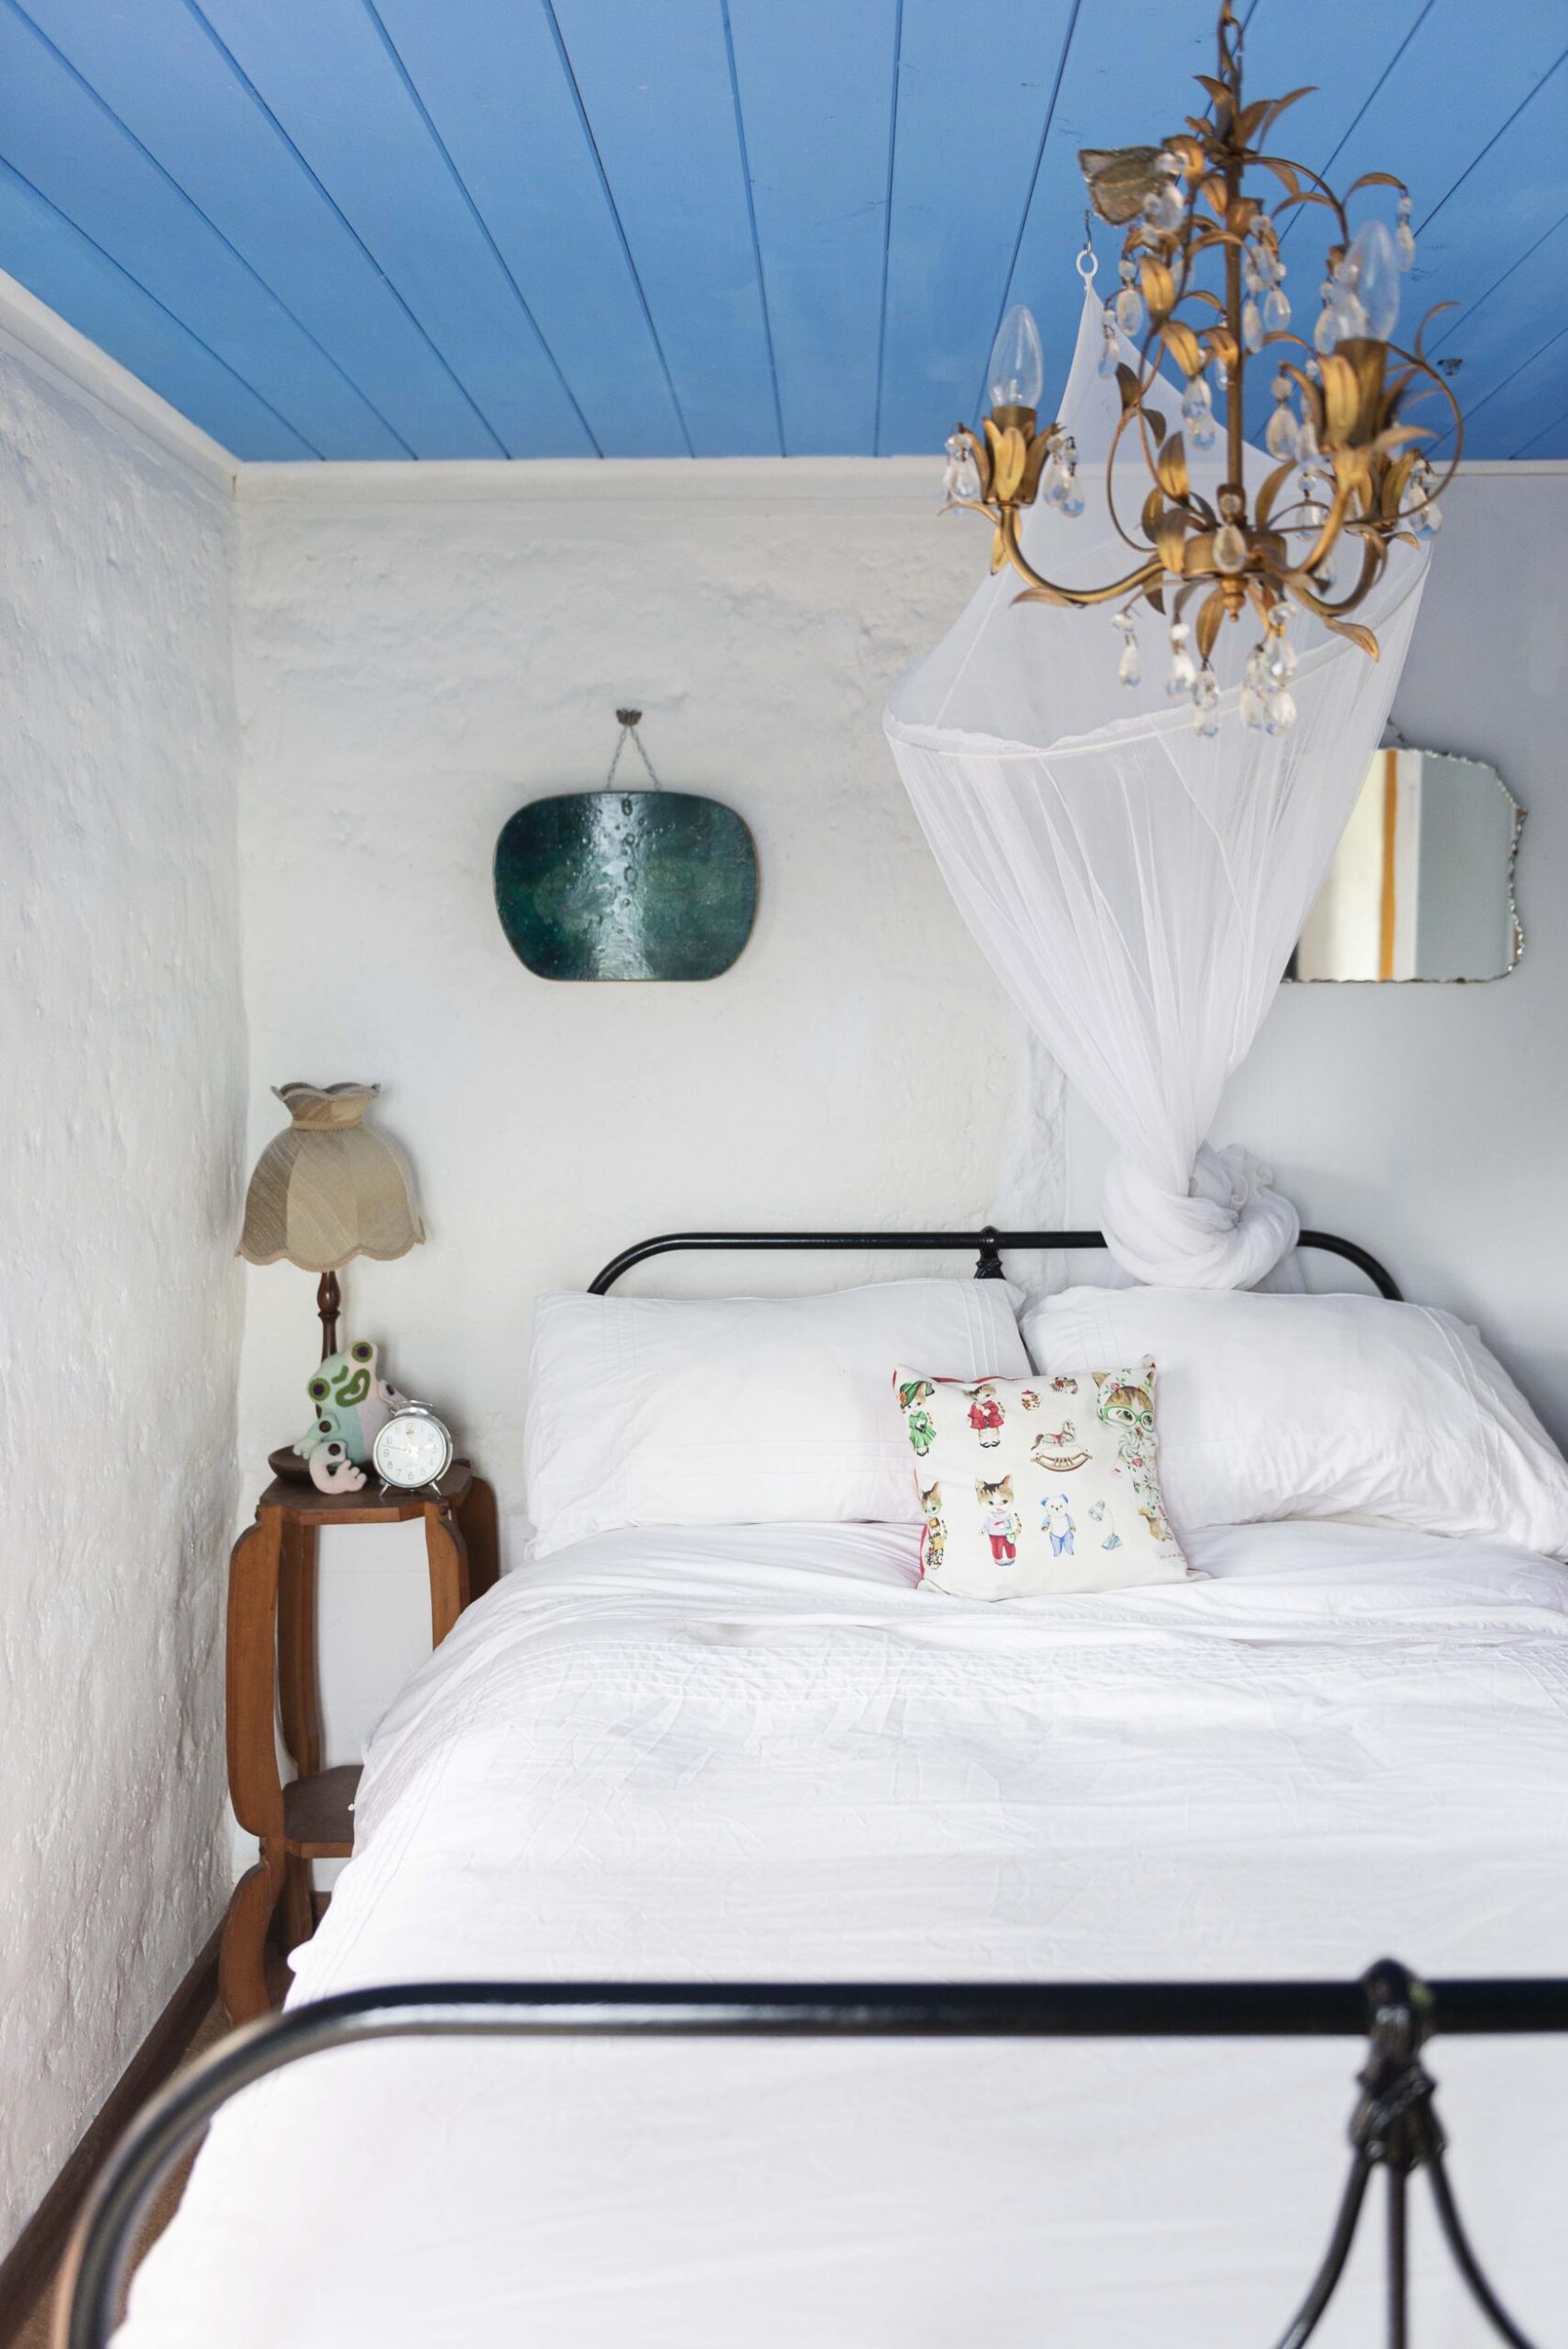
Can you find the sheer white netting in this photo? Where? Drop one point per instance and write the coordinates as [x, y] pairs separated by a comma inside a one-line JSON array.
[[1138, 887]]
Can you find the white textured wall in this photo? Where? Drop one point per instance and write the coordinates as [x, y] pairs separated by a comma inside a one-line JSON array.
[[420, 661], [119, 1328]]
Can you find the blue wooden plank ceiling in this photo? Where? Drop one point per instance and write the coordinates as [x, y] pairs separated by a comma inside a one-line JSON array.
[[423, 229]]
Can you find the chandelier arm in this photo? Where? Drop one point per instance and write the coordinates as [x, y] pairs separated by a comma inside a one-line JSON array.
[[1007, 525], [1330, 530], [1303, 171], [1136, 407], [1148, 377], [1332, 613], [1423, 367]]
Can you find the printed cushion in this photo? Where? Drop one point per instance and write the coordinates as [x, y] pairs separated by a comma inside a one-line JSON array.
[[1031, 1486]]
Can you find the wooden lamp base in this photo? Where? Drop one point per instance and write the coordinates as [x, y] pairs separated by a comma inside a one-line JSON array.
[[286, 1461]]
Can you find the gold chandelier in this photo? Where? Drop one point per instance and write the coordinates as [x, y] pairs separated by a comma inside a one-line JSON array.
[[1348, 473]]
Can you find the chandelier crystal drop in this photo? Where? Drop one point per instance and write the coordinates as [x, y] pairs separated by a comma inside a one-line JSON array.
[[1198, 413], [1181, 678], [1129, 669], [1201, 292], [1128, 304]]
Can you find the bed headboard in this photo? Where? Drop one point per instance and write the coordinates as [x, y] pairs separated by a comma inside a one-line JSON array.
[[988, 1246]]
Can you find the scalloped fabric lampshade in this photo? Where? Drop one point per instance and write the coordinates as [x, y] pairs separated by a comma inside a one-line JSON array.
[[328, 1190]]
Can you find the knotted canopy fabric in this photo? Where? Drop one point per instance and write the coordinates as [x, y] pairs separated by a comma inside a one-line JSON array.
[[1137, 886]]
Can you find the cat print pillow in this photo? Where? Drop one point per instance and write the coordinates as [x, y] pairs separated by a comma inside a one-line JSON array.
[[1031, 1486]]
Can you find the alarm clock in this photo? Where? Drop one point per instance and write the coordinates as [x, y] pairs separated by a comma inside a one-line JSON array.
[[412, 1447]]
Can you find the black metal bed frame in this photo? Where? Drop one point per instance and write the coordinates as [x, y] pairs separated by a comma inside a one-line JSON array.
[[1394, 2127], [987, 1243]]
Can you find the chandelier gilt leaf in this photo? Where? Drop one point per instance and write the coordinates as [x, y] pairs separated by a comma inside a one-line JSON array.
[[1350, 477]]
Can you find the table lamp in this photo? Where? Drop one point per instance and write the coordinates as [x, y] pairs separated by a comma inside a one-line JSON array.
[[327, 1190]]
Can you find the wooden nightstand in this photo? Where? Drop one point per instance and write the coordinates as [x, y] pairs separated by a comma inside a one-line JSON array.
[[272, 1675]]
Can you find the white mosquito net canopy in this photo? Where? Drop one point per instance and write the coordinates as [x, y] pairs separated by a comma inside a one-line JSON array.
[[1138, 886]]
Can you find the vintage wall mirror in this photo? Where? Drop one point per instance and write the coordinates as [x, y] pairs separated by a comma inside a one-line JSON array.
[[1421, 884]]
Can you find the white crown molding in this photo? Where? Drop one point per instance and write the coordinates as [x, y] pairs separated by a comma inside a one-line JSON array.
[[911, 481], [40, 336], [1512, 467], [41, 339]]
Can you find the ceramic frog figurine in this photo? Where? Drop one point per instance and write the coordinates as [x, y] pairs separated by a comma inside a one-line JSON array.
[[351, 1406]]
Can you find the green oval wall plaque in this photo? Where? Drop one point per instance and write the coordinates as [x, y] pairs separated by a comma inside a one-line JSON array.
[[626, 885]]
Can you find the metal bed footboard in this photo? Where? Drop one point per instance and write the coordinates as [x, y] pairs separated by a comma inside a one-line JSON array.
[[1393, 2127]]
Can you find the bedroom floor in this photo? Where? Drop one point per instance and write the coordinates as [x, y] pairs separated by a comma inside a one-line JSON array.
[[35, 2333]]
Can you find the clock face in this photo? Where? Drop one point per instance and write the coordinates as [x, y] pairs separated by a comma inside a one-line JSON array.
[[413, 1448]]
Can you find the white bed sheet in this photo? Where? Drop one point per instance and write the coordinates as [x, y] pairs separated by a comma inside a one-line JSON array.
[[764, 1753]]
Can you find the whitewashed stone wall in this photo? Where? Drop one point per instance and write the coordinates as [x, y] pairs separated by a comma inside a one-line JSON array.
[[122, 1036]]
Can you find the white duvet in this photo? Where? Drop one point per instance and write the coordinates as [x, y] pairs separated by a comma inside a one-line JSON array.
[[765, 1753]]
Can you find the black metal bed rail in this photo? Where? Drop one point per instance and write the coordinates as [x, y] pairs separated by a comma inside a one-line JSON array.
[[1394, 2127], [988, 1245]]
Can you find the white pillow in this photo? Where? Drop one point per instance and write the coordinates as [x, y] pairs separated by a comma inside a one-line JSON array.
[[1031, 1486], [742, 1410], [1318, 1407]]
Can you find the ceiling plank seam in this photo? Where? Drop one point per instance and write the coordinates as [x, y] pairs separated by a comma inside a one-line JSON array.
[[243, 82], [752, 224], [478, 219], [980, 399], [183, 193], [1501, 132], [162, 307], [887, 223], [1327, 169], [569, 72]]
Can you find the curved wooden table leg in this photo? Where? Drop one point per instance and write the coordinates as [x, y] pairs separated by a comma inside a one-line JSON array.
[[298, 1902], [242, 1952], [477, 1517], [447, 1554], [255, 1786], [298, 1704]]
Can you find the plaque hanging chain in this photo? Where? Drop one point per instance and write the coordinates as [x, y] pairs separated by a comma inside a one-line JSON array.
[[630, 721]]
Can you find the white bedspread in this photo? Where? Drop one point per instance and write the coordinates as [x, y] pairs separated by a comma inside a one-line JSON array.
[[765, 1753]]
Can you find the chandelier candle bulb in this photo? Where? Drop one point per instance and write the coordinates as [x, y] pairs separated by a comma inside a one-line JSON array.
[[1370, 274], [1018, 370]]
